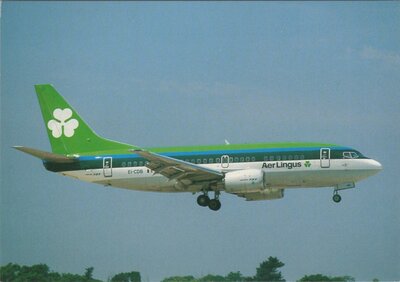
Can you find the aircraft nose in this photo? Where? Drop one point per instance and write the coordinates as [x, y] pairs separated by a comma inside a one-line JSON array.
[[375, 166]]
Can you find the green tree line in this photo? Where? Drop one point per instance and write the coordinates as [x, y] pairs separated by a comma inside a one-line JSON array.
[[268, 270], [41, 273]]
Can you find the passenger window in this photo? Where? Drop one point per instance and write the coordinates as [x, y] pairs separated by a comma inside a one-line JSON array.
[[302, 157], [192, 161], [253, 159], [134, 163], [218, 160], [204, 161], [123, 164], [290, 157], [296, 157], [129, 163], [266, 158], [278, 158], [284, 158], [199, 161], [210, 161], [242, 159], [236, 159], [247, 159], [271, 158]]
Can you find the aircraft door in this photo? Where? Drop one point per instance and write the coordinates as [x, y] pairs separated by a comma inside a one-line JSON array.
[[325, 156], [107, 166], [225, 161]]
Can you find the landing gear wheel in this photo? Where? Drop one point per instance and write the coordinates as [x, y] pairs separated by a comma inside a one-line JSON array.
[[203, 200], [336, 198], [214, 204]]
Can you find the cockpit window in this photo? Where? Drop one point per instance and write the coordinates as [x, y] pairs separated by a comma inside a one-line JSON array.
[[350, 155]]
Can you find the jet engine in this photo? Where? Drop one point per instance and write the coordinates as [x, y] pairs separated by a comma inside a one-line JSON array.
[[244, 181]]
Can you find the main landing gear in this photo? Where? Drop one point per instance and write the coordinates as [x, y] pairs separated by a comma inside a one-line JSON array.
[[205, 201]]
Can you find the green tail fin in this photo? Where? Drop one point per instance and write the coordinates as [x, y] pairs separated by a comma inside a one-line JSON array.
[[68, 132]]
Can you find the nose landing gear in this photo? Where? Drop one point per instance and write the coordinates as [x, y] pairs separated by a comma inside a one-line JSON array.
[[343, 186], [336, 197]]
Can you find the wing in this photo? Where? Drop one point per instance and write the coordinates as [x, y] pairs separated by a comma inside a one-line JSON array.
[[182, 171]]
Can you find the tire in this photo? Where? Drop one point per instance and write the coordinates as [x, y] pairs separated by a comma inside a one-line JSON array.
[[214, 204], [336, 198], [203, 200]]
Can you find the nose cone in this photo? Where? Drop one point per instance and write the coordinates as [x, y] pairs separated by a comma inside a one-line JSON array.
[[374, 166]]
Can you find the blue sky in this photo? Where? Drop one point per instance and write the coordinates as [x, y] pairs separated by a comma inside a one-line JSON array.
[[182, 73]]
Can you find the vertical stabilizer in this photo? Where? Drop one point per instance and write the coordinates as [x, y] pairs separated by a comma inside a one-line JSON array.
[[68, 132]]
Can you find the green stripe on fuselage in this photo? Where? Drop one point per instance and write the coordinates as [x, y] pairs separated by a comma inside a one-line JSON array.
[[210, 148]]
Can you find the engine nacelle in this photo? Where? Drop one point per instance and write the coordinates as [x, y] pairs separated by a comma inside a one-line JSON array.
[[244, 181]]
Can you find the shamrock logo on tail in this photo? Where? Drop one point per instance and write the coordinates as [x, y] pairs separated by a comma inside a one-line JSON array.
[[63, 124]]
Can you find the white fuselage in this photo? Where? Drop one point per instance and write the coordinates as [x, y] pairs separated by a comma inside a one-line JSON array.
[[278, 174]]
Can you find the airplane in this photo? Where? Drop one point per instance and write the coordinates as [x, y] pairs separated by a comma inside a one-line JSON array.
[[251, 171]]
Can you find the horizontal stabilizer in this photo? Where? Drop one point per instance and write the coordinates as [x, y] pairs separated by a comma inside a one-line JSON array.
[[46, 156]]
